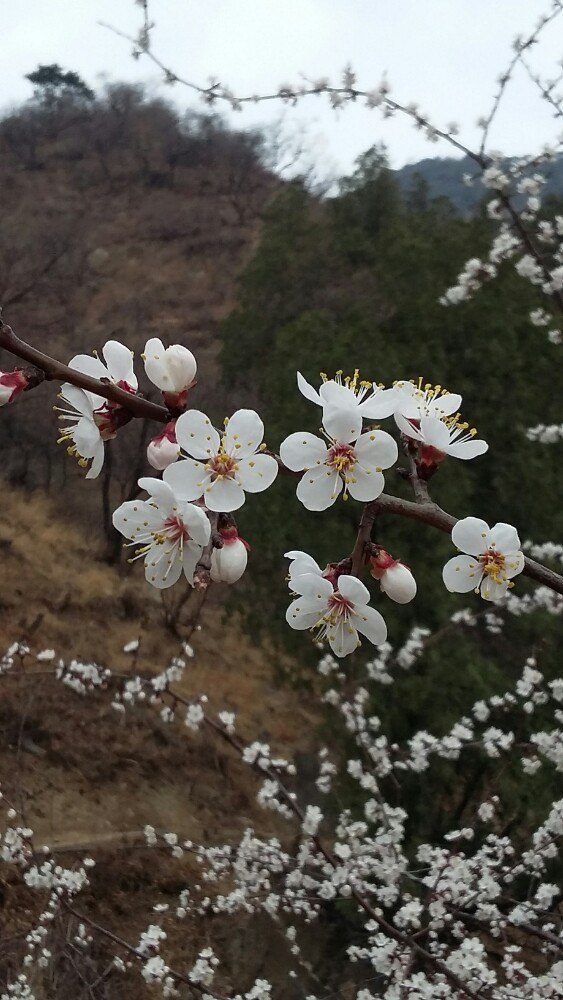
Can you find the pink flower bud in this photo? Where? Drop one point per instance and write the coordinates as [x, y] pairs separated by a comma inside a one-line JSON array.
[[11, 384], [395, 579], [163, 450], [229, 563]]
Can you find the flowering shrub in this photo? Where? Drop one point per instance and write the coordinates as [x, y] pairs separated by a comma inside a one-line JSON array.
[[453, 918]]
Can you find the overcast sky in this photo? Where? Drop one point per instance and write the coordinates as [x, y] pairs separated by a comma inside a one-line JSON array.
[[444, 54]]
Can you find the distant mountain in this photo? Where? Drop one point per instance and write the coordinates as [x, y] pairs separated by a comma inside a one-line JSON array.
[[444, 178]]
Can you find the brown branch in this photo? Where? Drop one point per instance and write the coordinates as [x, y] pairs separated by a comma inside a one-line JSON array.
[[55, 371], [432, 514]]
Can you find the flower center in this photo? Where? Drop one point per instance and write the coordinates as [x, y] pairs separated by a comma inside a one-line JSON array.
[[339, 606], [222, 466], [492, 563], [341, 457], [175, 530]]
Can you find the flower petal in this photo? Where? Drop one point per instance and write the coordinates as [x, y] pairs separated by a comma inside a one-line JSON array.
[[307, 390], [154, 362], [377, 449], [342, 638], [365, 484], [513, 564], [407, 428], [462, 574], [196, 522], [257, 473], [79, 400], [467, 449], [190, 559], [371, 623], [119, 361], [312, 587], [471, 535], [196, 434], [302, 615], [163, 566], [222, 495], [353, 589], [434, 432], [161, 491], [97, 461], [381, 404], [344, 425], [319, 488], [503, 537], [244, 434], [302, 450], [493, 591], [187, 478]]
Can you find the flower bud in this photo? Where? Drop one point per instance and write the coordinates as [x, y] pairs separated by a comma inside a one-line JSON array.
[[171, 369], [11, 384], [395, 579], [163, 449], [229, 563]]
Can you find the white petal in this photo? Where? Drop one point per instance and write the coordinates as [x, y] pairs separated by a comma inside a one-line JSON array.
[[319, 488], [97, 461], [222, 495], [381, 404], [352, 589], [435, 433], [407, 428], [371, 623], [398, 583], [307, 390], [446, 405], [161, 491], [181, 368], [376, 449], [471, 535], [190, 558], [503, 537], [196, 434], [302, 615], [342, 638], [467, 449], [256, 474], [493, 591], [154, 362], [163, 566], [77, 399], [342, 425], [313, 588], [333, 394], [244, 434], [462, 574], [513, 564], [187, 479], [89, 365], [196, 522], [365, 484], [229, 563], [119, 361], [302, 450], [135, 518], [86, 437]]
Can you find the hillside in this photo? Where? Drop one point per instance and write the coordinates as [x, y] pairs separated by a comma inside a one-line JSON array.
[[443, 177]]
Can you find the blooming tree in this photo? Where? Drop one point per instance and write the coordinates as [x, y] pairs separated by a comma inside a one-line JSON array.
[[429, 912]]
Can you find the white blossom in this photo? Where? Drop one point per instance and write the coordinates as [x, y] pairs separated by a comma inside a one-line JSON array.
[[493, 558]]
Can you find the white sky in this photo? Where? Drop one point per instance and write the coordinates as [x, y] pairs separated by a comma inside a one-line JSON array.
[[443, 54]]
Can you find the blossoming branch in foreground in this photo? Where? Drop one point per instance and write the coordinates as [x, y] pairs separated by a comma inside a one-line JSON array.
[[169, 531], [220, 468], [493, 558], [336, 614], [352, 461]]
